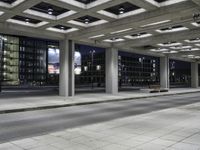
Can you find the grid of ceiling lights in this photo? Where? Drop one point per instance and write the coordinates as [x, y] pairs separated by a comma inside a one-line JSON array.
[[85, 4], [190, 45]]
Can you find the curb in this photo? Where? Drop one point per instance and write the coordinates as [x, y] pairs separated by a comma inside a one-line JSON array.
[[86, 103]]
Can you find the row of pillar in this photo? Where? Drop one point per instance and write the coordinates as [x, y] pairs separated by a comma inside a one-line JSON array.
[[67, 81]]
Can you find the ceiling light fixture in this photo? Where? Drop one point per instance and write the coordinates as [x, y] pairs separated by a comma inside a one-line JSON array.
[[112, 40], [181, 47], [50, 11], [155, 23], [170, 52], [86, 21], [197, 40], [62, 28], [27, 20], [121, 10], [191, 49], [120, 31], [159, 50], [169, 44], [96, 36]]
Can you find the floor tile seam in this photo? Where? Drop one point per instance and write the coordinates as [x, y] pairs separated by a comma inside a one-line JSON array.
[[180, 141]]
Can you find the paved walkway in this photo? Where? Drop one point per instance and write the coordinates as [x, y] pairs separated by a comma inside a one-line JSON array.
[[25, 103], [170, 129]]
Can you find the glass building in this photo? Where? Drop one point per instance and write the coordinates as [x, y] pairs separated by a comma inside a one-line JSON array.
[[30, 62], [25, 61], [89, 68], [137, 71], [180, 73]]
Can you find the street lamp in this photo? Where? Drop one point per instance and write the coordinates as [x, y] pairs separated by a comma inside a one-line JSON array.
[[92, 52], [98, 68]]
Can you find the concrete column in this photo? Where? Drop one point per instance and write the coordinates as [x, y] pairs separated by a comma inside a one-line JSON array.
[[71, 68], [66, 78], [112, 71], [164, 72], [194, 75]]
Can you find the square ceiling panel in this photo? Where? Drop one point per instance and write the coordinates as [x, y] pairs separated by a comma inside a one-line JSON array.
[[86, 1], [8, 1], [139, 34], [49, 9], [122, 8], [160, 1], [61, 27], [87, 19], [25, 19], [171, 28]]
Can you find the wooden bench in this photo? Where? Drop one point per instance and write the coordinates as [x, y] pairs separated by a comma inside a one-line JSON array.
[[154, 88], [157, 88]]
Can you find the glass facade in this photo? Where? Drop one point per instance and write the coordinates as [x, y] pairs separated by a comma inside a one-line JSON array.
[[34, 62], [89, 68], [53, 64], [10, 60], [1, 62], [137, 70], [199, 73], [180, 73], [24, 61]]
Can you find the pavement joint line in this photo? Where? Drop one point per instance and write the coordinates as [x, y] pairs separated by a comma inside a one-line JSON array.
[[86, 103]]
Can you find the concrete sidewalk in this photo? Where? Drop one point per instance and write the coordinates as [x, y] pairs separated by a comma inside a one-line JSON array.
[[27, 103], [170, 129]]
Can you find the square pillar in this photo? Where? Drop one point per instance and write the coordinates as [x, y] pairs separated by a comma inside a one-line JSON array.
[[112, 71], [164, 72], [194, 75], [66, 77], [71, 68]]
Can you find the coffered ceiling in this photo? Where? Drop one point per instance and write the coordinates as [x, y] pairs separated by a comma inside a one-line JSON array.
[[164, 27]]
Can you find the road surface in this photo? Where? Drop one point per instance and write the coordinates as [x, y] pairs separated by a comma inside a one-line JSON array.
[[33, 123]]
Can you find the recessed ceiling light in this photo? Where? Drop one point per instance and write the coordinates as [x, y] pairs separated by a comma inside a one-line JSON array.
[[119, 31], [50, 11], [159, 50], [62, 28], [196, 40], [190, 55], [181, 47], [27, 20], [191, 49], [112, 40], [170, 52], [86, 21], [172, 29], [197, 57], [196, 24], [169, 44], [155, 23], [138, 36], [121, 10], [96, 36]]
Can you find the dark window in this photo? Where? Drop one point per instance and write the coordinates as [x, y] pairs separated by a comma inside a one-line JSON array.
[[137, 70], [180, 73], [92, 66]]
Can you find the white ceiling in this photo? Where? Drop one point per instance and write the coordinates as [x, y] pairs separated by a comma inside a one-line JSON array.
[[114, 30]]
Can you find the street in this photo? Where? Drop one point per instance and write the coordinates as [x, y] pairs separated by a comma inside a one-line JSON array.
[[15, 126]]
